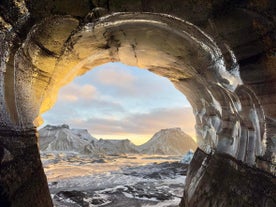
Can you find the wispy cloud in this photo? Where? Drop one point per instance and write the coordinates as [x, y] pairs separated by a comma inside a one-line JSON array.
[[125, 82], [140, 123], [114, 77], [74, 92]]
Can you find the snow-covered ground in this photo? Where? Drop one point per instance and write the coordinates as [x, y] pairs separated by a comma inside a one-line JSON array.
[[114, 181]]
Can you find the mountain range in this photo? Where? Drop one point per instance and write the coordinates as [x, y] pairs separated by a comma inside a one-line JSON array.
[[172, 141]]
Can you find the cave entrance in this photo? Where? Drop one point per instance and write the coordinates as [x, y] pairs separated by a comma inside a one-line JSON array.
[[205, 71], [138, 157]]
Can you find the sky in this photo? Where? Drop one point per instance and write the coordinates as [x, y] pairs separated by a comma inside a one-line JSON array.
[[116, 101]]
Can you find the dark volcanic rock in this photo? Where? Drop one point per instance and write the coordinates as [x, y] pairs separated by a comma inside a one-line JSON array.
[[75, 196], [23, 172], [158, 171], [222, 181], [98, 161], [147, 189]]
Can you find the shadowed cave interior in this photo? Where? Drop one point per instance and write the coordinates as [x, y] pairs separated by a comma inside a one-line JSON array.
[[228, 78]]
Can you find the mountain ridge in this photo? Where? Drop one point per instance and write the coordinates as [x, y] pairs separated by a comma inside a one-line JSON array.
[[62, 138]]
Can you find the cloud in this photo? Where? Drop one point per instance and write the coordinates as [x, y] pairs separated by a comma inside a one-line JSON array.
[[141, 123], [116, 80], [74, 92], [114, 77], [64, 111]]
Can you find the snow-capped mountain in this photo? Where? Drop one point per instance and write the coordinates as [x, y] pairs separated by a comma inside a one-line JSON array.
[[116, 147], [83, 134], [62, 138], [169, 141]]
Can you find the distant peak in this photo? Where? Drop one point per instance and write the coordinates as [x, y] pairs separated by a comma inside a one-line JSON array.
[[172, 129], [80, 129], [53, 127]]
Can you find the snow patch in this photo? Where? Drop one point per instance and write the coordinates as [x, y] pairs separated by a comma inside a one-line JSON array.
[[187, 158]]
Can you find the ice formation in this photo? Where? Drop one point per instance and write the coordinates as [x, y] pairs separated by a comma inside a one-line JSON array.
[[187, 158]]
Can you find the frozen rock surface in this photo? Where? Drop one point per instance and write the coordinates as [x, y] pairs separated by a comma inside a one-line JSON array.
[[133, 182]]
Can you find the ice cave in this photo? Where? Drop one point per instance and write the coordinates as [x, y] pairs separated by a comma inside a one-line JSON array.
[[219, 53]]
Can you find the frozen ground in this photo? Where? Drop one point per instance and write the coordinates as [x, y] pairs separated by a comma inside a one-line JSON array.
[[114, 181]]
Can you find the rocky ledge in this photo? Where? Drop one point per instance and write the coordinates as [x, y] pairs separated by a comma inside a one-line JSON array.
[[220, 180]]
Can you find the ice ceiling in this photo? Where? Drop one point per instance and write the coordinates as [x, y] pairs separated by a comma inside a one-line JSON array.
[[229, 117]]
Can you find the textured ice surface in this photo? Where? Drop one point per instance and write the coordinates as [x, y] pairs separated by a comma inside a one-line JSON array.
[[118, 182], [187, 158]]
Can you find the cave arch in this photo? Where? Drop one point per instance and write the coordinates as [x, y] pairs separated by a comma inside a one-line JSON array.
[[166, 45], [233, 123]]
